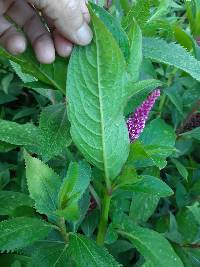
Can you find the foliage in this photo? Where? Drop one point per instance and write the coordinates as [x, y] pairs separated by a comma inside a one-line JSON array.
[[74, 191]]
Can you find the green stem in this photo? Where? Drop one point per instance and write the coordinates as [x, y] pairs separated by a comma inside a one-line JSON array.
[[62, 228], [162, 102], [104, 219]]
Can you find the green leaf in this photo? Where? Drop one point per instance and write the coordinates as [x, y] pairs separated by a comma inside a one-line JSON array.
[[153, 147], [51, 255], [153, 246], [86, 253], [195, 210], [150, 185], [140, 11], [66, 190], [135, 58], [138, 92], [189, 256], [160, 51], [114, 27], [9, 259], [175, 98], [181, 168], [90, 223], [10, 200], [94, 121], [142, 206], [21, 232], [6, 147], [164, 135], [183, 38], [128, 176], [189, 218], [6, 81], [72, 189], [145, 86], [195, 133], [193, 14], [43, 185], [19, 134], [55, 130], [51, 74]]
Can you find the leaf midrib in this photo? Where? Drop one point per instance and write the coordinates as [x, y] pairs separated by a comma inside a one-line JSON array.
[[101, 110]]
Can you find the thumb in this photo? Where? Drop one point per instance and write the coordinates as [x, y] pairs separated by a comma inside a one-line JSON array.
[[68, 18]]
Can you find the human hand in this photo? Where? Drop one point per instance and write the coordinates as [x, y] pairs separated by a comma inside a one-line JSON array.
[[67, 20]]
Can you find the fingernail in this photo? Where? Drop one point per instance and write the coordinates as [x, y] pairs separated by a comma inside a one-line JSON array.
[[84, 35]]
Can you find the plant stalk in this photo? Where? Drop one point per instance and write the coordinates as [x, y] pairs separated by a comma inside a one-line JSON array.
[[104, 219], [62, 228]]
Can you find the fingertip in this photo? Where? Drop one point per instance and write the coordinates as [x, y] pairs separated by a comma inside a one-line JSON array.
[[15, 44], [62, 45], [44, 50], [84, 35]]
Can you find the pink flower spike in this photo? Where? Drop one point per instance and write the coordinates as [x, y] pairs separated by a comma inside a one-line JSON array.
[[136, 123]]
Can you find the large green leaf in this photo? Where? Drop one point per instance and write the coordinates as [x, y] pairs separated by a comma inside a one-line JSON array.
[[153, 246], [10, 200], [86, 253], [43, 185], [161, 51], [51, 74], [96, 100], [51, 255], [55, 130], [21, 232]]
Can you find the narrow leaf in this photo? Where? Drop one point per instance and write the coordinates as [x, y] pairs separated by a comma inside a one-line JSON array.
[[72, 189], [135, 58], [43, 185], [160, 51]]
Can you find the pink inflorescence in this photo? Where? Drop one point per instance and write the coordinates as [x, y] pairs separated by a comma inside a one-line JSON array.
[[137, 122]]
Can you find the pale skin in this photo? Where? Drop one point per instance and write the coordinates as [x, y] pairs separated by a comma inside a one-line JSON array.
[[67, 22]]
